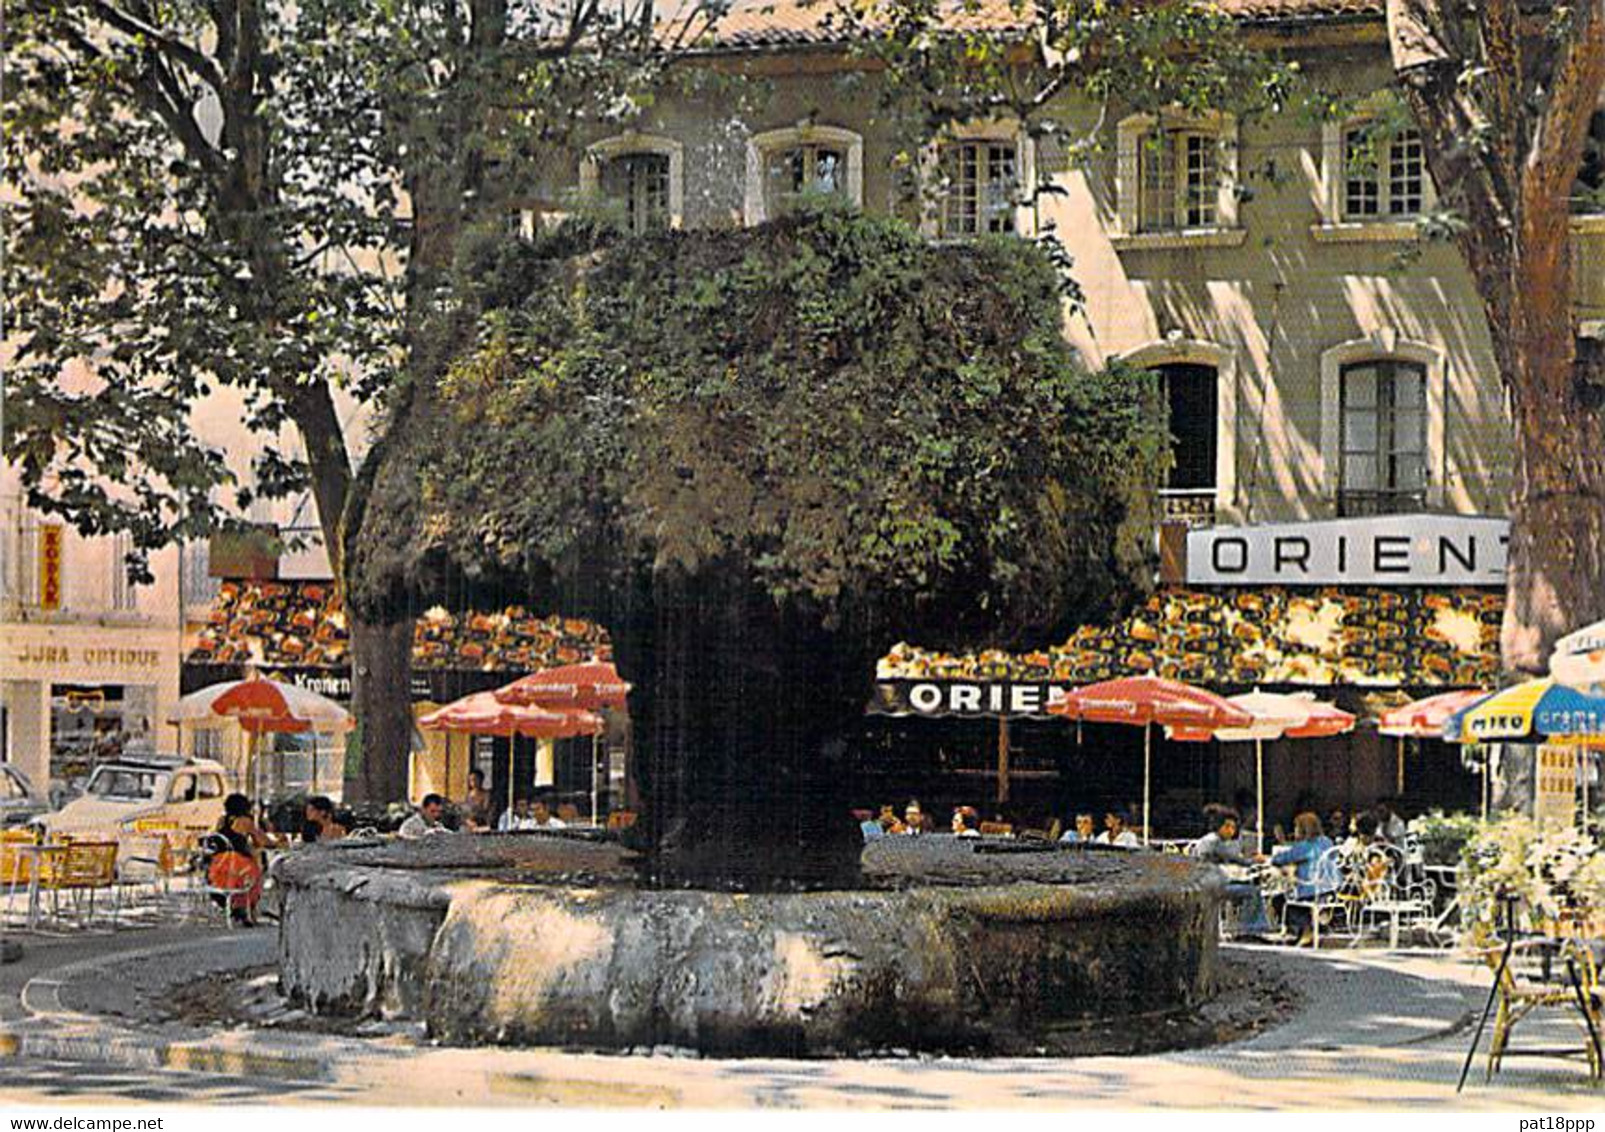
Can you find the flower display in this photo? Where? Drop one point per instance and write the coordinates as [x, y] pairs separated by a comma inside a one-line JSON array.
[[1551, 874]]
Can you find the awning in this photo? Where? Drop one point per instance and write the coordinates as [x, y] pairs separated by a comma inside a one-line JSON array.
[[1366, 637]]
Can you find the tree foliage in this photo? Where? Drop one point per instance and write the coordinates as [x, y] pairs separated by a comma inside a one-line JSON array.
[[889, 433]]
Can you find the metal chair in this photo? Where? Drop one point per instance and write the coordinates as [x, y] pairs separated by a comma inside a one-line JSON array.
[[85, 869], [1326, 900]]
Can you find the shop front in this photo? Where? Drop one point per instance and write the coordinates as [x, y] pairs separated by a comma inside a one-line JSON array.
[[1366, 614], [74, 695], [296, 632]]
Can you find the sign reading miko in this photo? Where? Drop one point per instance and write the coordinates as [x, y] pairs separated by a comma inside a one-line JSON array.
[[1385, 550]]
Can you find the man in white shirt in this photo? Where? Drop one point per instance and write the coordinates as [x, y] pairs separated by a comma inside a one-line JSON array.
[[426, 821], [1116, 833]]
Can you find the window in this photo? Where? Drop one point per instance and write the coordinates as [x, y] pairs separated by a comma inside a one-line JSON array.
[[200, 588], [1175, 179], [1191, 394], [183, 789], [639, 183], [124, 594], [1382, 176], [980, 187], [793, 175], [1384, 438], [208, 786], [1179, 181]]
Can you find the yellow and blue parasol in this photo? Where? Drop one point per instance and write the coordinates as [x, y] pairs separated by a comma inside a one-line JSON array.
[[1538, 711]]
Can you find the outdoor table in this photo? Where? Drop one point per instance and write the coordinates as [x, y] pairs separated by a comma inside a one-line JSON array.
[[37, 854]]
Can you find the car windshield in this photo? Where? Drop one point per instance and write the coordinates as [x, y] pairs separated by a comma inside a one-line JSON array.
[[122, 782]]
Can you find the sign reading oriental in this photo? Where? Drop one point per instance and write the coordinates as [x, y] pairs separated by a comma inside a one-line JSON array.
[[973, 699], [1385, 550]]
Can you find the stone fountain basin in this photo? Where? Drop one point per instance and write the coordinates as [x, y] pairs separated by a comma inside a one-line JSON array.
[[540, 940]]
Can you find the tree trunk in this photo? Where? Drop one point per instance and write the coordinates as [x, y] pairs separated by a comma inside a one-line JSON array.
[[738, 711], [381, 699], [1556, 579]]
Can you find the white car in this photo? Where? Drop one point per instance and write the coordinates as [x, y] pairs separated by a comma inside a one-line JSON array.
[[186, 792]]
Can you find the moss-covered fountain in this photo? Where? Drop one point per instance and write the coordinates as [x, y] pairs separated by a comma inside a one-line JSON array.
[[759, 458]]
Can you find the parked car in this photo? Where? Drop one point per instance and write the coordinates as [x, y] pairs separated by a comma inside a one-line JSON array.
[[20, 803], [121, 793]]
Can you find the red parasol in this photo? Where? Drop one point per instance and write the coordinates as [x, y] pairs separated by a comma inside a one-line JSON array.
[[483, 714], [590, 687], [1143, 701], [1424, 719]]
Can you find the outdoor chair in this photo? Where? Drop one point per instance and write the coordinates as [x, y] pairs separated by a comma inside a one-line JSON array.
[[15, 869], [1540, 975], [147, 859], [1387, 891], [86, 869], [208, 895], [1327, 901]]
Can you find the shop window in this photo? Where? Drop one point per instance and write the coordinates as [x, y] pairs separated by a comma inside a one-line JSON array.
[[980, 188], [1384, 175], [1190, 392], [1383, 466], [183, 789]]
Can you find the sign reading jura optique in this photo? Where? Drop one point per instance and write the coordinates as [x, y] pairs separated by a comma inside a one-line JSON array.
[[1387, 550]]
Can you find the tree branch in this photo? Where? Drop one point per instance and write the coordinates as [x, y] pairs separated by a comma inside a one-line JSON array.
[[1562, 127], [155, 38]]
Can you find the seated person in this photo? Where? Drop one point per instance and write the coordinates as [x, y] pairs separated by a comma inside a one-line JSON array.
[[1221, 845], [429, 819], [238, 869], [913, 818], [1305, 854], [966, 822], [1116, 832], [1082, 833], [320, 822], [541, 816]]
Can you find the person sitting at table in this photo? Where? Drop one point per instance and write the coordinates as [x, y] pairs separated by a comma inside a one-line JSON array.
[[515, 817], [1304, 854], [1390, 826], [1220, 846], [430, 818], [476, 803], [541, 816], [238, 869], [1115, 832], [966, 822], [321, 823], [1083, 832], [913, 818]]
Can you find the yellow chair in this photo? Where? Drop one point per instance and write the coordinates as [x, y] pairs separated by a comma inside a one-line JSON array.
[[1539, 976], [87, 867]]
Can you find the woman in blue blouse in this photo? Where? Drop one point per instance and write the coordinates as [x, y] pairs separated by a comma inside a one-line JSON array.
[[1305, 854]]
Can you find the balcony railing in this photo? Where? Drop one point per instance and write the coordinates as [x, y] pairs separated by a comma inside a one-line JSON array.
[[1194, 506], [1358, 504], [1588, 266]]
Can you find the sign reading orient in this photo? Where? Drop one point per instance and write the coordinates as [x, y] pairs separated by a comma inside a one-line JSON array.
[[1397, 550]]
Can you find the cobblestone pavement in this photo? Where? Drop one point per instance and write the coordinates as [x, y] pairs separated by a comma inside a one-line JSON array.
[[1375, 1030]]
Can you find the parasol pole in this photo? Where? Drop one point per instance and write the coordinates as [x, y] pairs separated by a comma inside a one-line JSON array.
[[1259, 794], [1147, 758], [1487, 758], [1003, 760], [595, 743], [1398, 790]]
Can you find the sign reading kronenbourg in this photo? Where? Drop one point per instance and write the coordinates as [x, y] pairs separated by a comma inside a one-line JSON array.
[[1384, 550], [1009, 699]]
